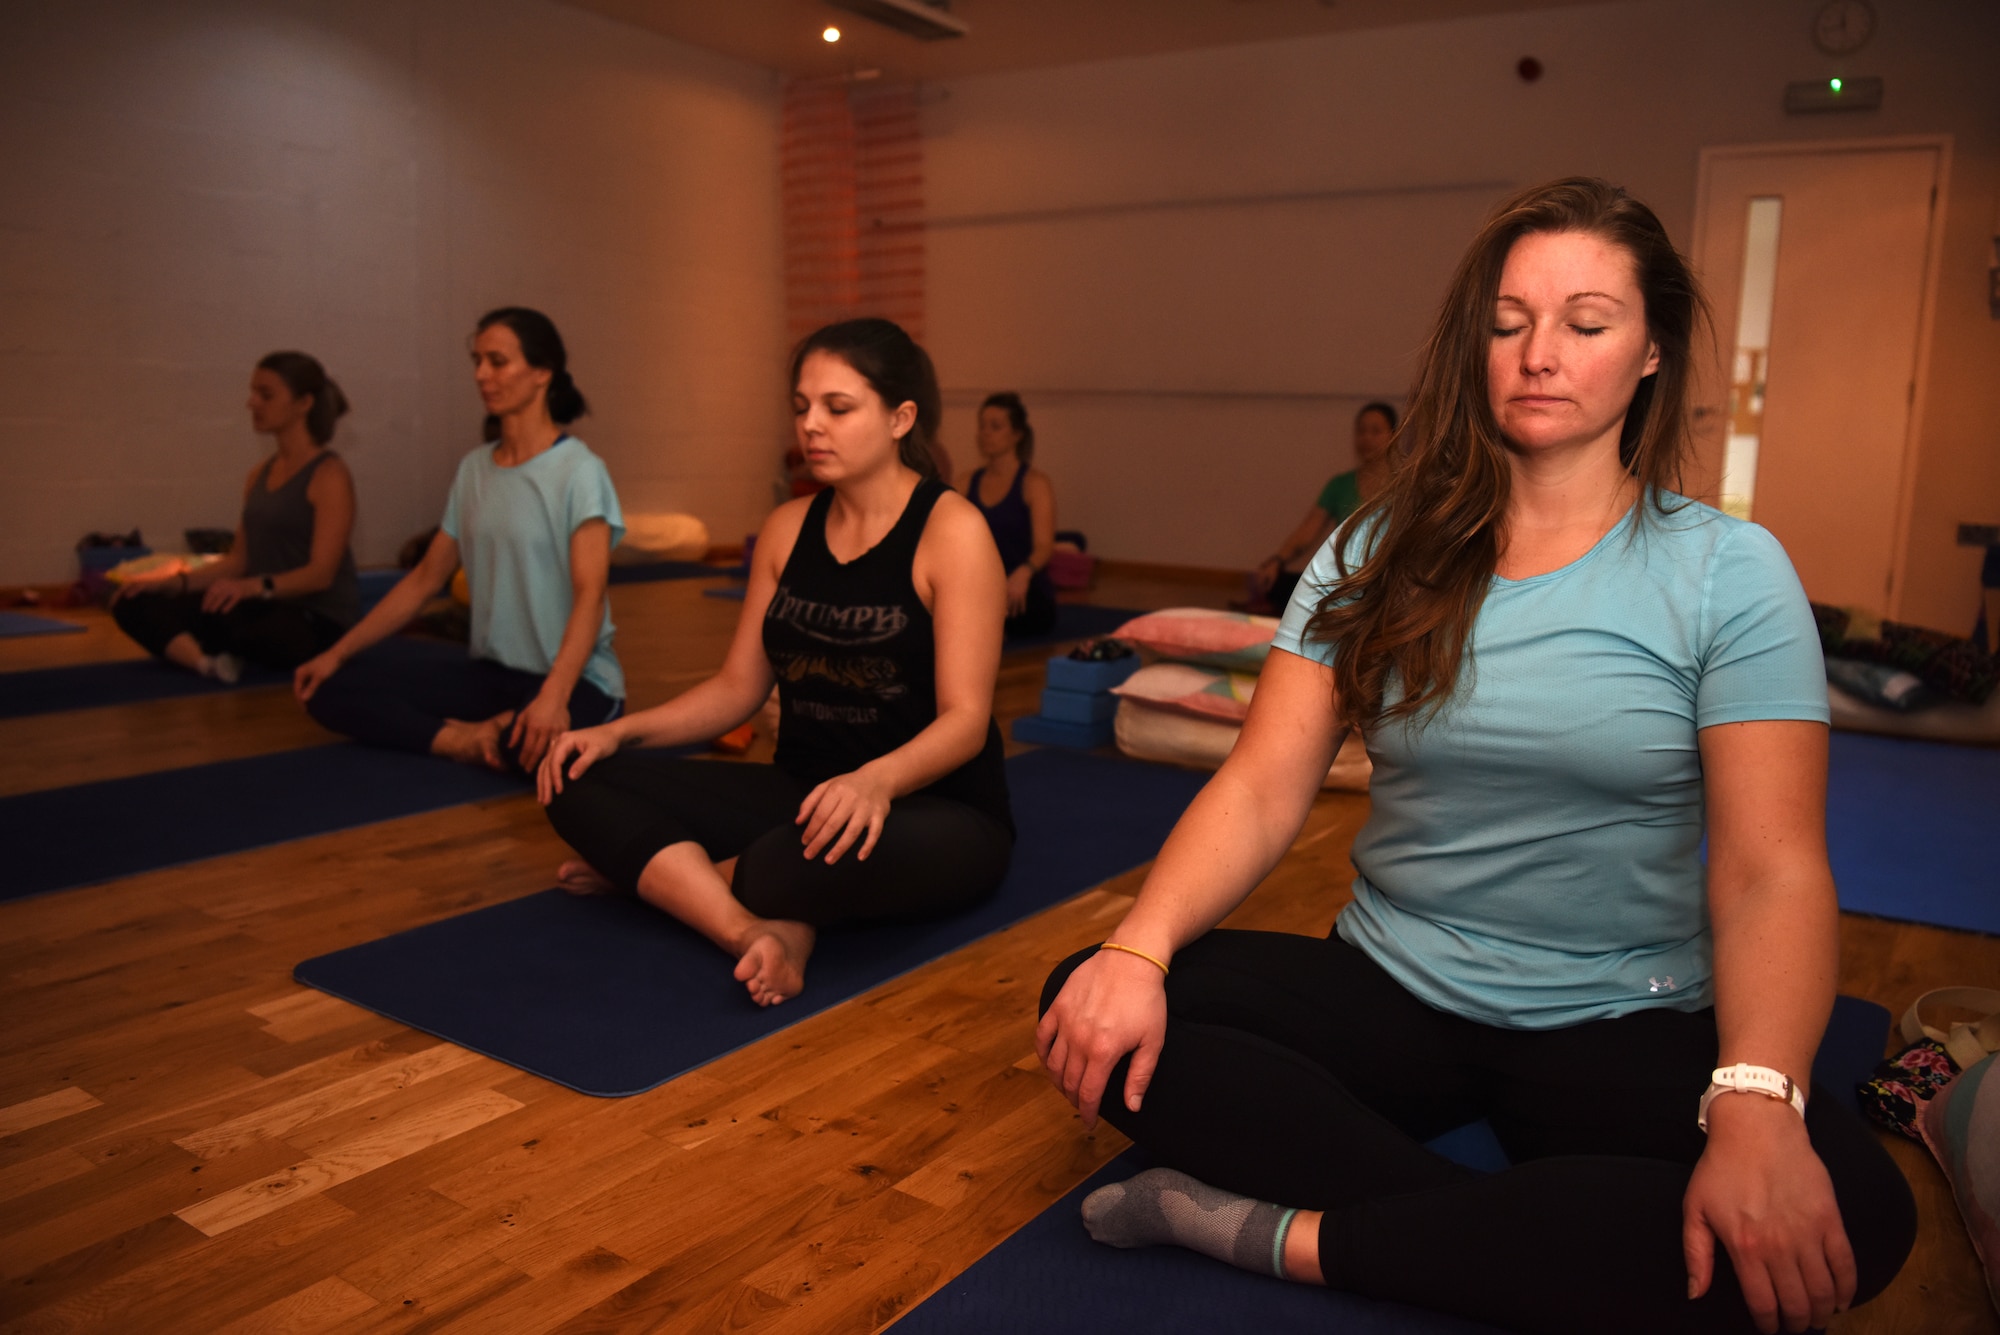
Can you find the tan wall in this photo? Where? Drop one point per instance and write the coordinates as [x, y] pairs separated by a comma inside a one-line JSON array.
[[184, 187], [1260, 233]]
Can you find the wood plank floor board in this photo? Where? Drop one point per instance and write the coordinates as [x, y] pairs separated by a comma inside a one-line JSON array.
[[80, 1290], [824, 1179], [325, 1306]]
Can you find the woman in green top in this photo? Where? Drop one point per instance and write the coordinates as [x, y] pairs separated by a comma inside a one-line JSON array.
[[1271, 583]]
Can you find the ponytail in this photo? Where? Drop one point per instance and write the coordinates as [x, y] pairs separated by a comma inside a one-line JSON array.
[[542, 347], [303, 376]]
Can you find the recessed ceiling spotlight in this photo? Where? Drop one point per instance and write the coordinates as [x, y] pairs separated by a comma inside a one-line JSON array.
[[831, 34]]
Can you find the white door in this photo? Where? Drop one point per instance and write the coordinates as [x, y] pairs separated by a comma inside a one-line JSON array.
[[1815, 260]]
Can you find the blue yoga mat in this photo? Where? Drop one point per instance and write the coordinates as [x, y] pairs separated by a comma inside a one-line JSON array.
[[87, 685], [1052, 1279], [1912, 832], [1076, 621], [138, 680], [66, 837], [14, 624], [611, 997]]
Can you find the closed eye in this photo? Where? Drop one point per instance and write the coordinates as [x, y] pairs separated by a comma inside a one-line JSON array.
[[1589, 330]]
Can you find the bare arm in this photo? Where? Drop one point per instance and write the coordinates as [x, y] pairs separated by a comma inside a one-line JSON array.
[[397, 608], [1040, 495], [1301, 540], [957, 573], [715, 706], [547, 716], [1759, 1188], [1231, 836]]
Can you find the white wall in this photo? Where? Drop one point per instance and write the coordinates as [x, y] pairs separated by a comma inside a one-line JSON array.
[[1262, 232], [186, 186]]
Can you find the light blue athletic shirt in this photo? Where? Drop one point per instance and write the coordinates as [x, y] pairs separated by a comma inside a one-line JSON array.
[[513, 527], [1533, 855]]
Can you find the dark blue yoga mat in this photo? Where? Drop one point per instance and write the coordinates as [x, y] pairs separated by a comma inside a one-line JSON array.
[[137, 680], [14, 624], [1076, 621], [1913, 830], [88, 685], [66, 837], [1052, 1279], [611, 997]]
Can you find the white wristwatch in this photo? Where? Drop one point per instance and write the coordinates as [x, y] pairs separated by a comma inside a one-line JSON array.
[[1744, 1078]]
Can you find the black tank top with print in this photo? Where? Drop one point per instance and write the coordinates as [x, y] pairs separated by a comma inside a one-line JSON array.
[[855, 653]]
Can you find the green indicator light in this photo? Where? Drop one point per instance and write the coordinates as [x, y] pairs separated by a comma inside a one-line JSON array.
[[1833, 84]]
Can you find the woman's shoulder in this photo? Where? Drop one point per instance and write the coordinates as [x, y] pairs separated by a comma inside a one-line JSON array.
[[329, 470], [1037, 480], [954, 520]]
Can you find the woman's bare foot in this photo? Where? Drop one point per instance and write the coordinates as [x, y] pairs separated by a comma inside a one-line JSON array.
[[580, 878], [773, 964], [474, 743]]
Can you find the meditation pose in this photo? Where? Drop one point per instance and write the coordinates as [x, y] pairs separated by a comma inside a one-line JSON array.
[[287, 588], [1020, 507], [875, 606], [1272, 582], [532, 517], [1568, 676]]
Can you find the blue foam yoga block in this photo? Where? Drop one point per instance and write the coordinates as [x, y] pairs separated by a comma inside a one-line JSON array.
[[1077, 707], [1088, 678], [1056, 732]]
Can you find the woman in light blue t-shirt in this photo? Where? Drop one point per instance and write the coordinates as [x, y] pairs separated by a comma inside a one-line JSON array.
[[532, 518], [1568, 677]]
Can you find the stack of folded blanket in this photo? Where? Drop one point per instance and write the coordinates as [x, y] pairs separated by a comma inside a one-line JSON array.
[[1188, 704]]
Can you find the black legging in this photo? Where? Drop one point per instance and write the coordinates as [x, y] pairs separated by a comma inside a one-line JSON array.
[[1296, 1070], [392, 697], [275, 633], [1038, 616], [935, 857]]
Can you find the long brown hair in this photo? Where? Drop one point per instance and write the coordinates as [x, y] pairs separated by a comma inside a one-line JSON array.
[[1406, 610], [896, 367]]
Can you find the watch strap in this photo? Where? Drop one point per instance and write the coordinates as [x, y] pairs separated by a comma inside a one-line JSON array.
[[1744, 1078]]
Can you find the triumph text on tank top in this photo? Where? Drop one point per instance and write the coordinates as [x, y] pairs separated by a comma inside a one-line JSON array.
[[855, 654]]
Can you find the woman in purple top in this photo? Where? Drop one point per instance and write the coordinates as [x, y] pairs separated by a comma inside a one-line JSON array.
[[1019, 503]]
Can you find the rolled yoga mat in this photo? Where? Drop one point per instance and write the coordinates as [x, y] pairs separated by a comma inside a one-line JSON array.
[[612, 997], [1911, 830], [13, 624], [61, 838], [1049, 1277]]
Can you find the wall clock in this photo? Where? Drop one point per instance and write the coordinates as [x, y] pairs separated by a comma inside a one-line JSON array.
[[1843, 27]]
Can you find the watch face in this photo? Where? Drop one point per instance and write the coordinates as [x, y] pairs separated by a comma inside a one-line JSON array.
[[1843, 26]]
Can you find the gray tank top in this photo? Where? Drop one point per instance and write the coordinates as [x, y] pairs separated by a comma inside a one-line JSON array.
[[278, 534]]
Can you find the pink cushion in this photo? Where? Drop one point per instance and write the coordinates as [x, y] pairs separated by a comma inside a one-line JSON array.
[[1186, 689], [1962, 1127], [1234, 641]]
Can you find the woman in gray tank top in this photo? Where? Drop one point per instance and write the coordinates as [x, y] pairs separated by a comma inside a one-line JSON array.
[[287, 588]]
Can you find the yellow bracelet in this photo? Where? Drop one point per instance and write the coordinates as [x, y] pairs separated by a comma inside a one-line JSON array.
[[1113, 945]]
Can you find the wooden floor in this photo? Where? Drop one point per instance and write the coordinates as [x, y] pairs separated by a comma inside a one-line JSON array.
[[191, 1141]]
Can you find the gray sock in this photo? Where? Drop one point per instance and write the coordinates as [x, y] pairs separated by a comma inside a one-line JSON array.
[[1161, 1205]]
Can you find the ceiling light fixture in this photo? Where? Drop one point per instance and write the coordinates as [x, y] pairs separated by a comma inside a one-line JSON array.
[[926, 20], [831, 34]]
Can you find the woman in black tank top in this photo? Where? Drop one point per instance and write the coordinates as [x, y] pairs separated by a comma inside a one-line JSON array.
[[875, 608], [287, 588]]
